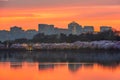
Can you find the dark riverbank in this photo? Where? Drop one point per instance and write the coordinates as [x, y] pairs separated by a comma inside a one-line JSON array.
[[77, 50]]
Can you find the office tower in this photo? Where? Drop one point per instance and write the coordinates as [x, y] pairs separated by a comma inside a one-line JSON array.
[[46, 29], [88, 29], [105, 28], [75, 28]]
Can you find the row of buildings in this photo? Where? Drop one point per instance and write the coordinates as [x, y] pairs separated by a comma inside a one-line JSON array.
[[73, 28], [16, 33]]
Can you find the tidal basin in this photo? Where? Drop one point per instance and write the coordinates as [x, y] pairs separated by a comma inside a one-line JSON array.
[[57, 65]]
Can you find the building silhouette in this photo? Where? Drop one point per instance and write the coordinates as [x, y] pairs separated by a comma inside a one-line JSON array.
[[4, 35], [58, 31], [48, 29], [16, 33], [75, 28], [30, 33], [88, 29], [105, 28]]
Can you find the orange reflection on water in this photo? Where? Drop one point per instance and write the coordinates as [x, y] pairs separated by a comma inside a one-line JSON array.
[[57, 71]]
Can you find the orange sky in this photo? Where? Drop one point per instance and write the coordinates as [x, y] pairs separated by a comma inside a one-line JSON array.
[[60, 16]]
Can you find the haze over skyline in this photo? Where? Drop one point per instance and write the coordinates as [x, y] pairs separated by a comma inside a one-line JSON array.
[[29, 13]]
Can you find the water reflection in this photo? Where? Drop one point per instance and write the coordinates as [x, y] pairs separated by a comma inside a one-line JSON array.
[[74, 67], [59, 66], [100, 57], [57, 71], [46, 66], [15, 65]]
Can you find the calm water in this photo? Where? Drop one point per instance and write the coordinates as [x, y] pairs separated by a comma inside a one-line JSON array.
[[60, 66]]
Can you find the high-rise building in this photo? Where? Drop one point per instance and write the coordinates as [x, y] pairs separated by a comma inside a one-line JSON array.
[[105, 28], [4, 35], [88, 29], [75, 28], [30, 33], [16, 29], [16, 33], [46, 29], [63, 31]]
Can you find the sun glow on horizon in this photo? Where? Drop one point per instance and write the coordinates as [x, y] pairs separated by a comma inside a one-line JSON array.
[[30, 18]]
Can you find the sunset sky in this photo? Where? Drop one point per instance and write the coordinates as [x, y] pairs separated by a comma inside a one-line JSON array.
[[29, 13]]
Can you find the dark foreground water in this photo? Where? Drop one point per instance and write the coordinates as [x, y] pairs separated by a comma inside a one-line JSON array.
[[64, 65]]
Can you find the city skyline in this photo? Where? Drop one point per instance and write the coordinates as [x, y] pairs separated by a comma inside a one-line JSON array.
[[52, 25], [29, 13], [74, 28], [37, 29], [59, 39]]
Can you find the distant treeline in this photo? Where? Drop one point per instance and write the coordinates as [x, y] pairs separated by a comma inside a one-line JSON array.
[[42, 38]]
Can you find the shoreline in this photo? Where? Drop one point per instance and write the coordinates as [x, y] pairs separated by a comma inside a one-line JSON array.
[[76, 46], [77, 50]]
